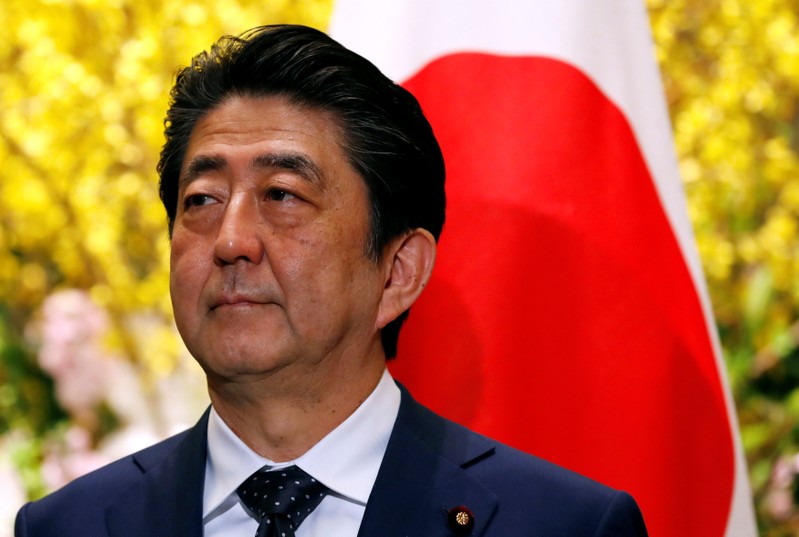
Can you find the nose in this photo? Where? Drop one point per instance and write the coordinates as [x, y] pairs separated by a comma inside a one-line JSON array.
[[239, 235]]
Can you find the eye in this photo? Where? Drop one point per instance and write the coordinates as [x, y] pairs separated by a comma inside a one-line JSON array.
[[197, 200], [277, 194]]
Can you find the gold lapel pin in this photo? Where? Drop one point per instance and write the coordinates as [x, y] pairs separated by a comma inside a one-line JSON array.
[[461, 520]]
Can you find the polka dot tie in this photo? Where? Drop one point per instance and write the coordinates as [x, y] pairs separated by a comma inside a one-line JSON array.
[[281, 499]]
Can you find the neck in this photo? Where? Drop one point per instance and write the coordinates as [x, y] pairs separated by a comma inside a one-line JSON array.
[[282, 415]]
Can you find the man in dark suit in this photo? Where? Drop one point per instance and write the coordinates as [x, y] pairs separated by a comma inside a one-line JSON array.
[[305, 195]]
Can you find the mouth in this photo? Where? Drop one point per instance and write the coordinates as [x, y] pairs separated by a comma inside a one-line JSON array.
[[236, 302]]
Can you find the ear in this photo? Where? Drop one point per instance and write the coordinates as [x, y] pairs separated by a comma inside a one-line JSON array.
[[409, 262]]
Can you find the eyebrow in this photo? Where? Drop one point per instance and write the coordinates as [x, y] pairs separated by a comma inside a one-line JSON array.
[[198, 166], [298, 163]]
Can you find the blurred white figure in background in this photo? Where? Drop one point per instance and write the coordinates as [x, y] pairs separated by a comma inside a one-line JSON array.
[[72, 329]]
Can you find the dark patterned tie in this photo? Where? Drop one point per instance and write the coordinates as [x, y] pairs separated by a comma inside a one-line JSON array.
[[281, 499]]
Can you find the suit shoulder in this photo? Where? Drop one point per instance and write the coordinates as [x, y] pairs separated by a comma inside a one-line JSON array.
[[519, 469], [561, 496], [529, 489], [484, 456], [83, 501]]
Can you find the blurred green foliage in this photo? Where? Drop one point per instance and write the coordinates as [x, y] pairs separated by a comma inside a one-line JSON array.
[[83, 88]]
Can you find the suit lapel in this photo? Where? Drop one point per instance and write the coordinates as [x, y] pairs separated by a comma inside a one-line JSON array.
[[423, 476], [167, 500]]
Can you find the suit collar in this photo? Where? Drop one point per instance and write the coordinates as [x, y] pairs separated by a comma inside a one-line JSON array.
[[424, 475], [167, 500]]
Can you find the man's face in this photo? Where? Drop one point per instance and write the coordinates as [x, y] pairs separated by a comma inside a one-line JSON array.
[[269, 267]]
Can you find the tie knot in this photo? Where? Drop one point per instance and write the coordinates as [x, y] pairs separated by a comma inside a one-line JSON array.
[[289, 492]]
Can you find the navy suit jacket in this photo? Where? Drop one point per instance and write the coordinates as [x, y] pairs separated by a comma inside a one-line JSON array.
[[431, 465]]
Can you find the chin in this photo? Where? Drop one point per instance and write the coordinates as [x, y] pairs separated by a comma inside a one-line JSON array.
[[241, 360]]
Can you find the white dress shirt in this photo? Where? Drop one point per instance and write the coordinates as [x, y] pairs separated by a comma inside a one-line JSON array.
[[346, 461]]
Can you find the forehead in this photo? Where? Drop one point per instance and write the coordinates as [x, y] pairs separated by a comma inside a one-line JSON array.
[[247, 126]]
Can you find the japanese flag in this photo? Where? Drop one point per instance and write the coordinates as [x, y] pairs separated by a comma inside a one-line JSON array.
[[567, 315]]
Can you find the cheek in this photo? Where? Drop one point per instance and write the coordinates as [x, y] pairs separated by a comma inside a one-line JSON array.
[[188, 269], [189, 249], [179, 265], [319, 276], [307, 254]]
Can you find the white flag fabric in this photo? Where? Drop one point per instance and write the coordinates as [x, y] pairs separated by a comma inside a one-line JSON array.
[[568, 314]]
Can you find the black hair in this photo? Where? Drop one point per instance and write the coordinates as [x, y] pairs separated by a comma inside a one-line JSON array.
[[387, 138]]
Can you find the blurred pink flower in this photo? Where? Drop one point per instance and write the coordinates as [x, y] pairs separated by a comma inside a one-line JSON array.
[[77, 458], [779, 498], [72, 329], [70, 334]]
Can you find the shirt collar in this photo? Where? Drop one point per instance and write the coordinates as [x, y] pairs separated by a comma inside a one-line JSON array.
[[346, 460]]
